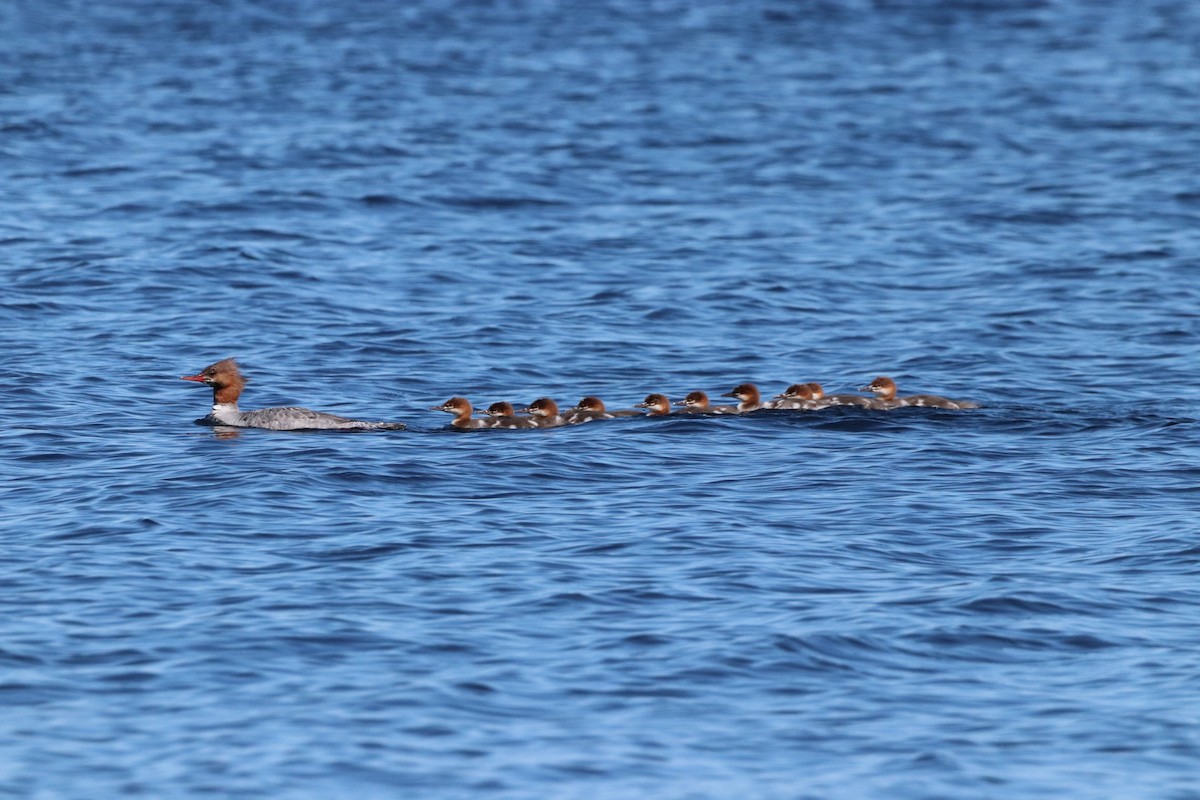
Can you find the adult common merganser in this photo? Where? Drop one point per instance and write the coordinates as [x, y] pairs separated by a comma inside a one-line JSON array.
[[227, 384], [748, 397], [544, 413], [656, 405], [506, 417], [461, 408], [697, 403], [885, 389]]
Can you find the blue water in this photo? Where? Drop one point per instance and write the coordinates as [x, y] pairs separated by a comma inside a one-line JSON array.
[[377, 205]]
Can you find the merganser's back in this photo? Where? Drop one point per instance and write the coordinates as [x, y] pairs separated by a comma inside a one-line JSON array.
[[544, 413], [506, 417], [586, 410], [596, 404], [748, 397], [798, 396], [227, 383], [822, 400], [697, 403], [885, 390]]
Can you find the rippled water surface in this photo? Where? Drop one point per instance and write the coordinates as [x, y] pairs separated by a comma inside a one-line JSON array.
[[378, 205]]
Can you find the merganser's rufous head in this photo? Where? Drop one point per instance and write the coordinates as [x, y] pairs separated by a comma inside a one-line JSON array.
[[455, 405], [797, 391], [883, 387], [498, 409], [656, 405], [746, 392], [696, 400], [461, 408], [224, 378], [542, 407], [817, 390], [591, 403]]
